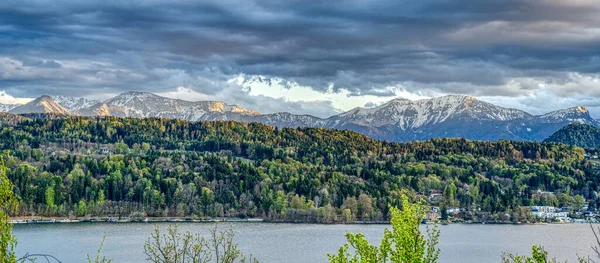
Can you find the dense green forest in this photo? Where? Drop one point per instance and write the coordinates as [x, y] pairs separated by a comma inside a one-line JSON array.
[[581, 135], [108, 166]]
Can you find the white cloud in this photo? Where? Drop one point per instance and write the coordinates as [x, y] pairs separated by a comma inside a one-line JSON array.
[[234, 93], [184, 93], [342, 99], [8, 99], [545, 94]]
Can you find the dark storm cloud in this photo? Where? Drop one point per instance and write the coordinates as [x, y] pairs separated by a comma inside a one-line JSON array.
[[438, 46]]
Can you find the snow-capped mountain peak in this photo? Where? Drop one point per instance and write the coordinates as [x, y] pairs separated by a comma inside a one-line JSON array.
[[577, 114], [43, 104], [127, 97], [74, 104], [407, 114], [144, 104], [396, 120]]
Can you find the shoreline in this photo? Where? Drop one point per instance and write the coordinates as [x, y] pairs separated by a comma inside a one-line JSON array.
[[125, 220]]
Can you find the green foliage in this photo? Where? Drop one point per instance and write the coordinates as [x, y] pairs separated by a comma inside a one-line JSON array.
[[581, 135], [81, 208], [99, 258], [160, 167], [538, 255], [49, 196], [404, 243], [8, 203], [178, 247]]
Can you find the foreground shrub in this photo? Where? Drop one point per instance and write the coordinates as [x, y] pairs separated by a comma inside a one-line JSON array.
[[179, 247], [404, 243]]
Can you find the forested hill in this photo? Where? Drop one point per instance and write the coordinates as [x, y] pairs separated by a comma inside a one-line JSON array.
[[162, 167], [581, 135]]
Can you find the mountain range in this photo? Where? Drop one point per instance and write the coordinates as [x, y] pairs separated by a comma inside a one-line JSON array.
[[397, 120]]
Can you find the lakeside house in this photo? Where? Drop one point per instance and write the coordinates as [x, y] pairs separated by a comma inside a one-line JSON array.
[[454, 210], [551, 213], [431, 216]]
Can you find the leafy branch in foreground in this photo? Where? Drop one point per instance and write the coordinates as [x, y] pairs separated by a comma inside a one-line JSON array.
[[178, 247], [539, 255], [34, 257], [403, 244], [99, 258], [8, 203], [595, 248]]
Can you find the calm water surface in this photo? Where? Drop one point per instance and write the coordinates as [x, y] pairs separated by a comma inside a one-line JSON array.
[[295, 243]]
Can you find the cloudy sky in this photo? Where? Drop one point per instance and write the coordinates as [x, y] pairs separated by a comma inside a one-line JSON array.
[[315, 57]]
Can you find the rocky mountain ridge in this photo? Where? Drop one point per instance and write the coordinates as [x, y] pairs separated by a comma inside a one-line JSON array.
[[396, 120]]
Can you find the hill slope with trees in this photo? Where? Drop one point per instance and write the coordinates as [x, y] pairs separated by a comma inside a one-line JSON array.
[[581, 135], [109, 166]]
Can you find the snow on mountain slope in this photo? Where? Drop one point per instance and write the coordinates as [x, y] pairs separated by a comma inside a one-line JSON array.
[[397, 120], [143, 104], [286, 119], [8, 107], [575, 114], [74, 104], [407, 114], [43, 104]]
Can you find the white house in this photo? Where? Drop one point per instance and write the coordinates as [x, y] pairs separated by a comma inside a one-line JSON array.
[[550, 212]]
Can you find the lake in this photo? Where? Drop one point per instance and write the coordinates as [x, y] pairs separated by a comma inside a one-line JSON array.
[[295, 243]]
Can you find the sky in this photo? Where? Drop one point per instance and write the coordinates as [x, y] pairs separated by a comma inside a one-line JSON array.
[[309, 57]]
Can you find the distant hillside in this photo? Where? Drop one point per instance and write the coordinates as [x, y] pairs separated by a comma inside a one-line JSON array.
[[581, 135], [91, 166]]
